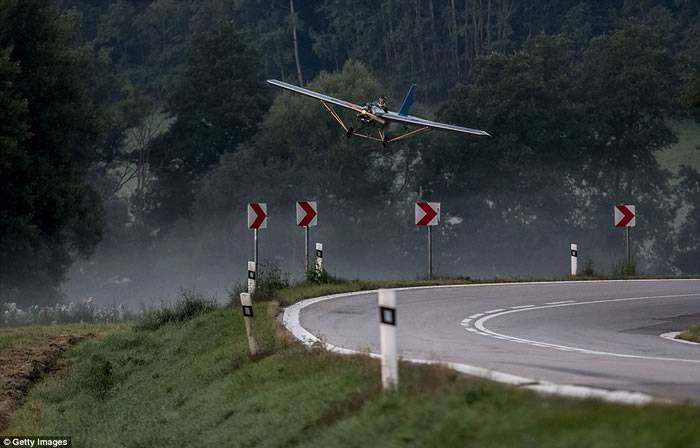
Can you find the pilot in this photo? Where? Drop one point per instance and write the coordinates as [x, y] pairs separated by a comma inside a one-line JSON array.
[[381, 102]]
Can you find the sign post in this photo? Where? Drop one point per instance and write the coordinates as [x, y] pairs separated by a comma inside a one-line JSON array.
[[625, 216], [257, 219], [428, 214], [387, 339], [574, 259], [247, 307], [307, 216]]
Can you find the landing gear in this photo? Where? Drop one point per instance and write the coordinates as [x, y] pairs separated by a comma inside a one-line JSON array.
[[349, 132], [385, 140]]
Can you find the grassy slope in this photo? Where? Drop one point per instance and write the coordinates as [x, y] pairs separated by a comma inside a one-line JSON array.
[[191, 384], [36, 335], [691, 334]]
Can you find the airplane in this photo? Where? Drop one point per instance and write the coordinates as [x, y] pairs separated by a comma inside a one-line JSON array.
[[377, 115]]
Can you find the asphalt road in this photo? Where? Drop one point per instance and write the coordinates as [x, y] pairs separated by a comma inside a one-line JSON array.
[[599, 334]]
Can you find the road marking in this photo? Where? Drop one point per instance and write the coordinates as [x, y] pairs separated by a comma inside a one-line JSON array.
[[479, 324], [477, 315], [671, 336], [521, 307], [498, 310], [292, 323], [559, 303]]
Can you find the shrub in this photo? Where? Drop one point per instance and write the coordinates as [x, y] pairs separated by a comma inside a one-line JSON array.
[[624, 269], [322, 278], [588, 269], [189, 305], [85, 311], [269, 280]]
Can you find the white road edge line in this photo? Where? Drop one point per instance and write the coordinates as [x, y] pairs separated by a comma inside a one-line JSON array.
[[292, 323], [480, 325], [559, 302], [521, 307], [671, 336]]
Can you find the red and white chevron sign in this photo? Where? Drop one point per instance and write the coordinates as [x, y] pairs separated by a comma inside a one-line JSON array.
[[307, 213], [257, 215], [625, 215], [427, 213]]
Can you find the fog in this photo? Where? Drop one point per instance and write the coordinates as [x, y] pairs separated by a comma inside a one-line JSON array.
[[211, 255]]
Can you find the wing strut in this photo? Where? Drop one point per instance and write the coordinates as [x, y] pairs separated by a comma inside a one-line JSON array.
[[409, 134], [335, 115]]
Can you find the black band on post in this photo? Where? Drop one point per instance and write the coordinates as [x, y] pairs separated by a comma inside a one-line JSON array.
[[247, 311], [574, 253], [387, 315]]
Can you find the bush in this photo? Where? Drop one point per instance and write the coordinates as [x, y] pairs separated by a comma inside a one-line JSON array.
[[85, 311], [322, 278], [269, 280], [624, 269], [189, 305], [588, 269]]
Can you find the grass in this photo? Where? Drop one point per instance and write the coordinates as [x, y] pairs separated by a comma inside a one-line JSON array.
[[35, 335], [691, 334], [191, 383]]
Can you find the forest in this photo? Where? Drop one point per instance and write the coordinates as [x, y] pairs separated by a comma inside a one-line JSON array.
[[133, 133]]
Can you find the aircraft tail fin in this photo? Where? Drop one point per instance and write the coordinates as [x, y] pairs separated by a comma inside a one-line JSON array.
[[408, 101]]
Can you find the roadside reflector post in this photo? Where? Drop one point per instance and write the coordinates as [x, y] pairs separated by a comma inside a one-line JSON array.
[[387, 339], [627, 243], [247, 306], [319, 259], [574, 259], [252, 268]]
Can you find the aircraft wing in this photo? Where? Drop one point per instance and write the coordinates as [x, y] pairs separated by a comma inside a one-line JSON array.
[[318, 96], [415, 121]]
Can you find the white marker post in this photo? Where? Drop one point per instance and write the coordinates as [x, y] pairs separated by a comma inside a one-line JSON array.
[[247, 306], [319, 259], [252, 268], [574, 259], [387, 339]]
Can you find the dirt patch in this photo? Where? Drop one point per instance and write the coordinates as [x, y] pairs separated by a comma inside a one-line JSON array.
[[22, 367]]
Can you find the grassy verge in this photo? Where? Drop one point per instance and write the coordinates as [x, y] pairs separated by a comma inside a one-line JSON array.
[[691, 334], [29, 353], [190, 383]]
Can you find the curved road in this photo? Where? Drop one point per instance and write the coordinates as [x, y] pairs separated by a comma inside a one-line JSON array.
[[598, 334]]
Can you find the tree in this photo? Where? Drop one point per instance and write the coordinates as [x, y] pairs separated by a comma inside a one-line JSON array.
[[49, 215], [217, 105]]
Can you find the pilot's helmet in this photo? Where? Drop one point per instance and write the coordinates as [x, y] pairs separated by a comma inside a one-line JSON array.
[[382, 99]]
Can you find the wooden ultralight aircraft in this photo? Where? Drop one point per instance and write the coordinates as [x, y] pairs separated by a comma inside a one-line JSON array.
[[376, 115]]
